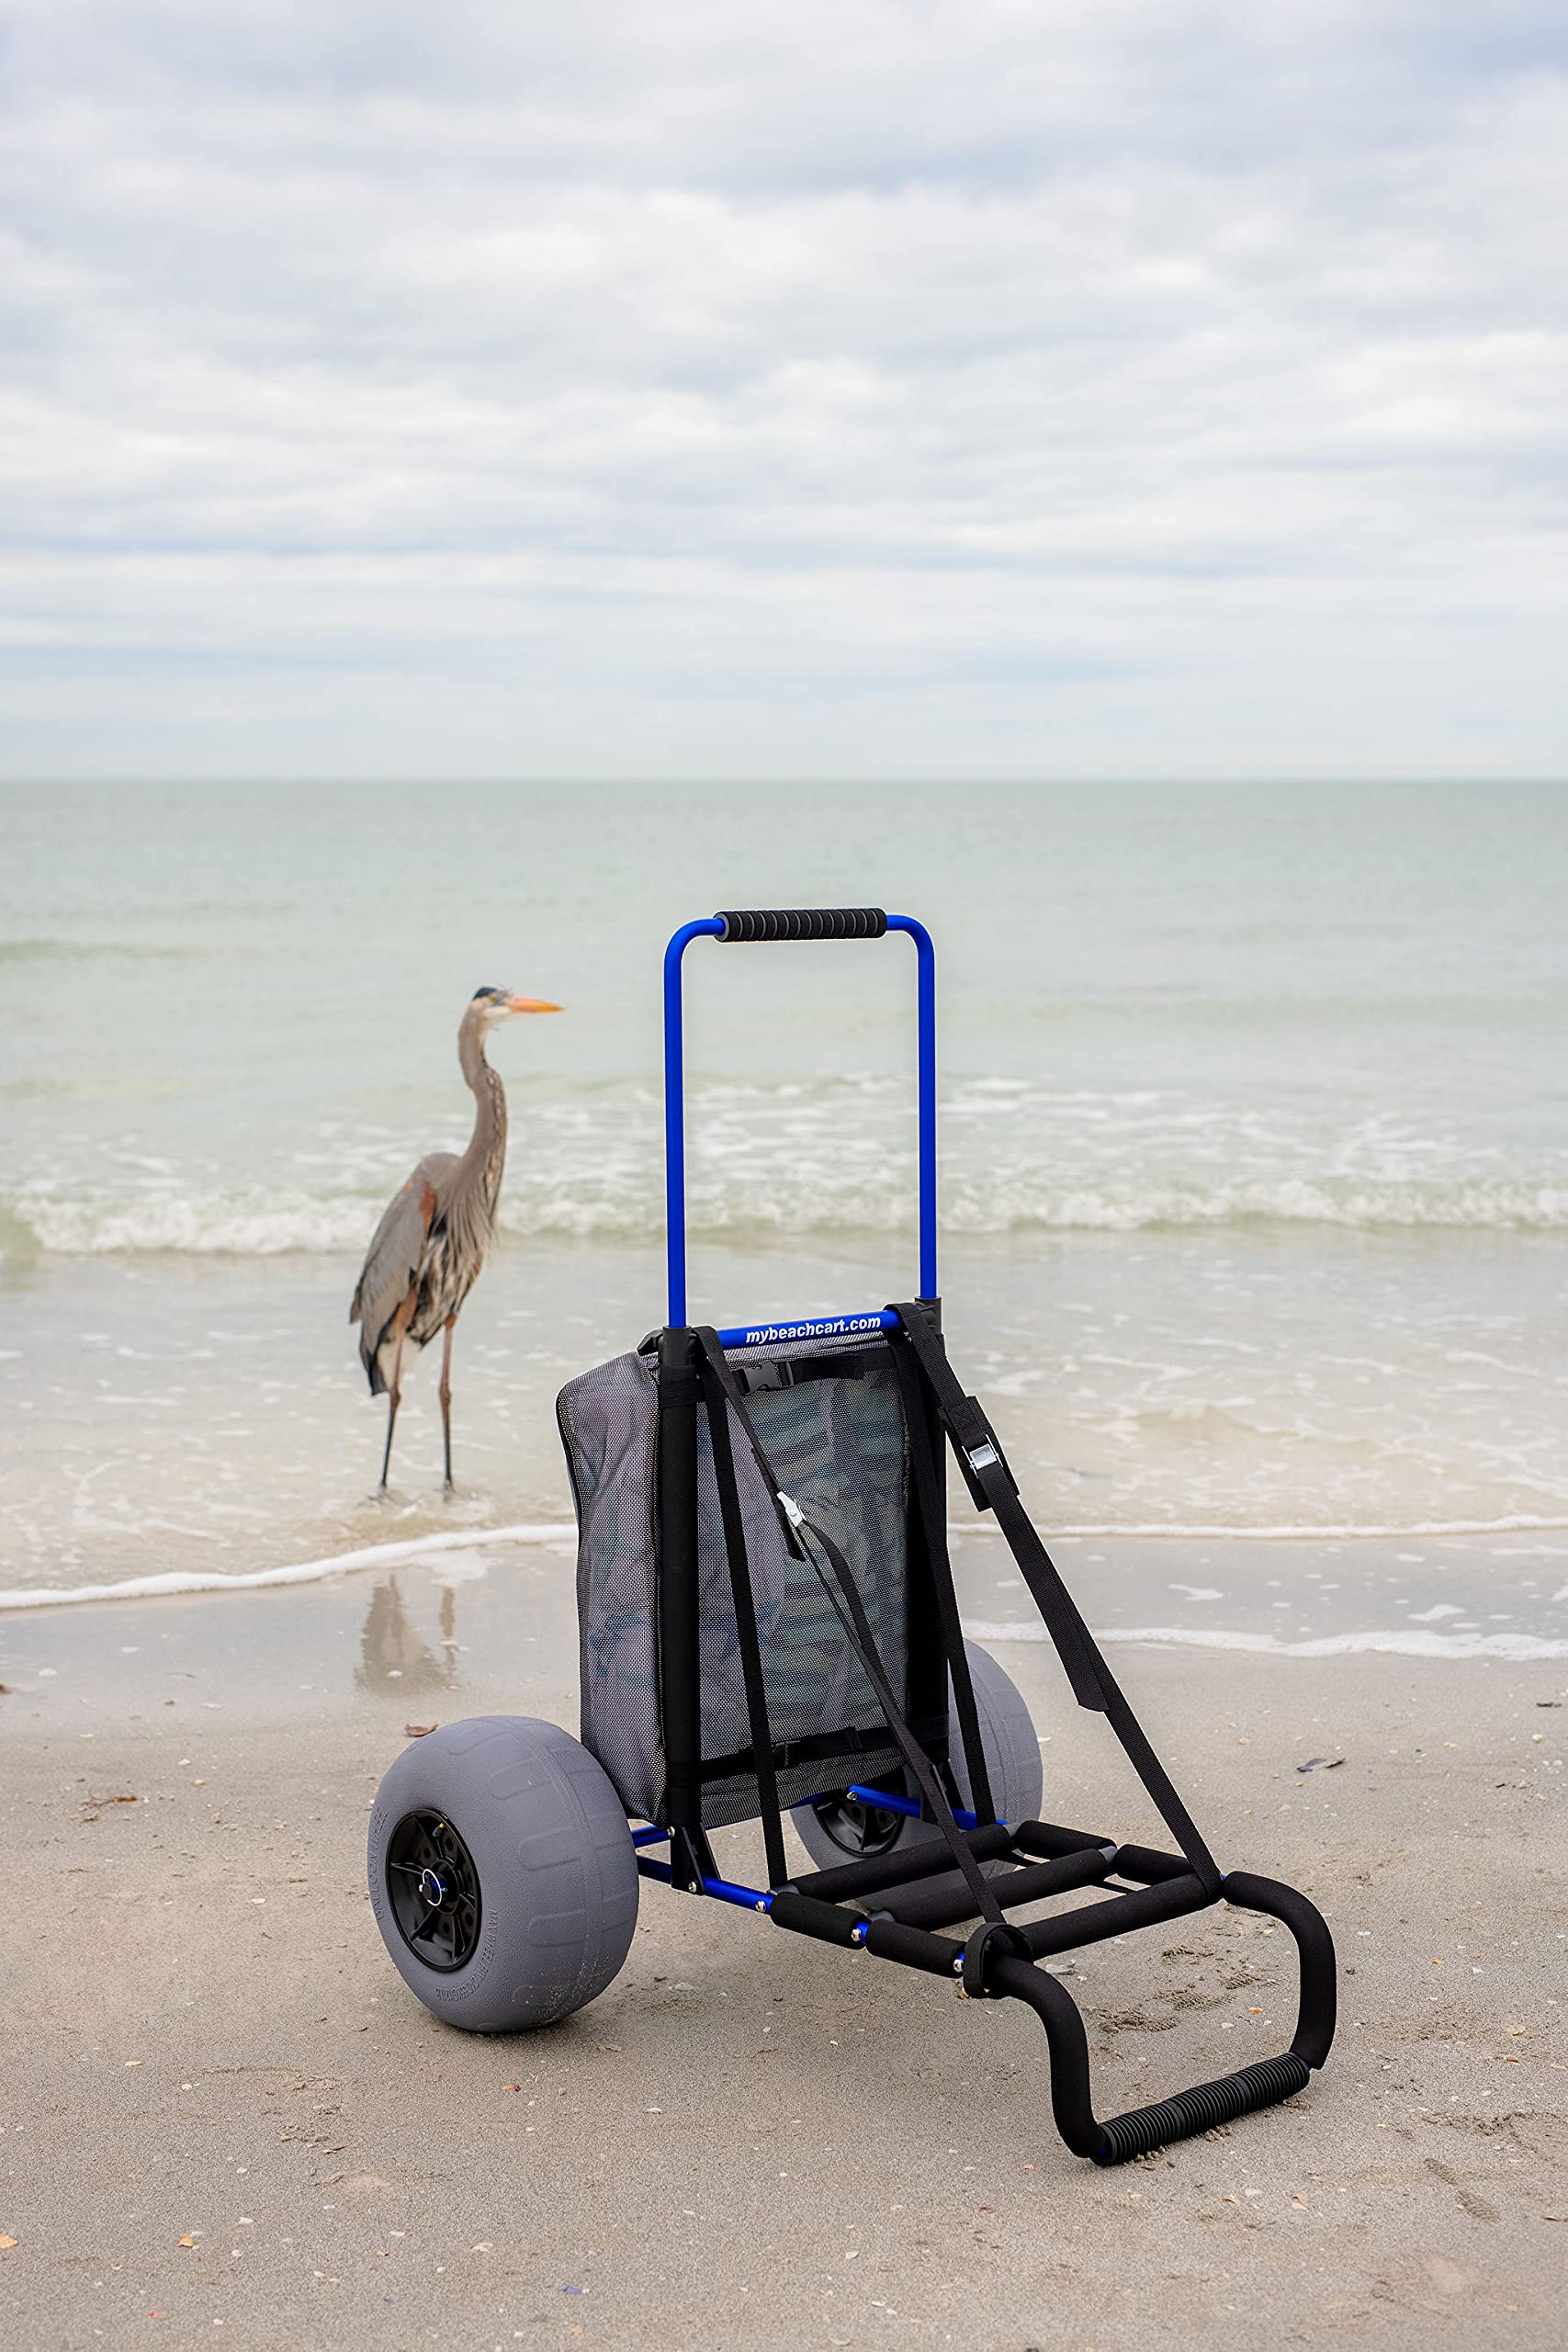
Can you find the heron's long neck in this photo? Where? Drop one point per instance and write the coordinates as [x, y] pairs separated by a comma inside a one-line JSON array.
[[486, 1155]]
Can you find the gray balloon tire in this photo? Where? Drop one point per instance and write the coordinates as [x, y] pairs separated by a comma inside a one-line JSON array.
[[1013, 1759], [556, 1869]]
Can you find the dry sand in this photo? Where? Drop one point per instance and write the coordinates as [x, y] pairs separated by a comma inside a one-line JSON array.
[[226, 2122]]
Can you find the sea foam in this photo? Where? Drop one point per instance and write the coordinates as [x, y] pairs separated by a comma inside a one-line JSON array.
[[372, 1555], [1397, 1641]]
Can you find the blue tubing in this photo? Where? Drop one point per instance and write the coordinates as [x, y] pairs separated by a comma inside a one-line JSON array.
[[751, 1898], [675, 1116], [723, 1890], [925, 1018], [908, 1805], [808, 1326]]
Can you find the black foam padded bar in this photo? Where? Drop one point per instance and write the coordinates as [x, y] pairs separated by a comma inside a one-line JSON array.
[[1150, 1906], [938, 1955], [801, 922], [943, 1902], [1048, 1842], [805, 1917], [1146, 1863], [880, 1871], [1314, 1947]]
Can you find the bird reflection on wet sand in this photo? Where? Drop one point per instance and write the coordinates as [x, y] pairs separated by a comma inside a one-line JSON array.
[[393, 1649]]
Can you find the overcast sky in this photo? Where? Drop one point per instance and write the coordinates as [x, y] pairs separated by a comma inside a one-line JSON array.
[[692, 387]]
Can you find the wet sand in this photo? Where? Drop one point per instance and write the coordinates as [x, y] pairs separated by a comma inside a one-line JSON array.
[[750, 2139]]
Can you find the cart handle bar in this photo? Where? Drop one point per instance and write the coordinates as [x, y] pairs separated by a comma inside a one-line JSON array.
[[787, 923]]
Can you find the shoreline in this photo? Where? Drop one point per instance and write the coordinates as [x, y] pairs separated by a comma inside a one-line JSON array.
[[204, 1418], [555, 1531], [1369, 1597], [447, 1626]]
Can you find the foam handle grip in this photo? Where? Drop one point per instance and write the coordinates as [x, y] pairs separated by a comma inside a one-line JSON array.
[[802, 922]]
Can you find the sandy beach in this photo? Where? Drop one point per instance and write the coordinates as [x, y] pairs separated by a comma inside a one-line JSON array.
[[226, 2120]]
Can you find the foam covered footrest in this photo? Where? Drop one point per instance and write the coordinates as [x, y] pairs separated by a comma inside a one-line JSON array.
[[1199, 2109]]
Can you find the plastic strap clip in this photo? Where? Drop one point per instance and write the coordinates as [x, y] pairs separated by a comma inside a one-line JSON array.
[[992, 1937]]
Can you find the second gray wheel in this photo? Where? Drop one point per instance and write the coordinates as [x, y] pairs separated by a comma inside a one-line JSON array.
[[839, 1829], [502, 1873]]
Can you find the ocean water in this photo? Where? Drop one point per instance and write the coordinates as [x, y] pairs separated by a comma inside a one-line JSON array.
[[1254, 1145]]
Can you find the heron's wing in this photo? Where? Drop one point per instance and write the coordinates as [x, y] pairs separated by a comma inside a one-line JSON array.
[[392, 1261]]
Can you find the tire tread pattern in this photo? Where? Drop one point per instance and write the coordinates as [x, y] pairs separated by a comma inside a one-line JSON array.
[[557, 1871]]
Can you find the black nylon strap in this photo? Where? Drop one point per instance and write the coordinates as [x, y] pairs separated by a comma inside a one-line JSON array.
[[788, 1371], [858, 1633], [846, 1745], [933, 1527], [849, 1610], [746, 1626], [1094, 1686], [971, 1432]]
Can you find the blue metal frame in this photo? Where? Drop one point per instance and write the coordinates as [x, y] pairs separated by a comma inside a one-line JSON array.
[[758, 1898], [723, 1890], [675, 1127], [806, 1327], [886, 1802], [771, 1334]]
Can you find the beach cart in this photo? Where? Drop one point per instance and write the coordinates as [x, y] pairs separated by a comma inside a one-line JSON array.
[[769, 1626]]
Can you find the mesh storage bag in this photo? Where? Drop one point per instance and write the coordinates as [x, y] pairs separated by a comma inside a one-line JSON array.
[[836, 1437]]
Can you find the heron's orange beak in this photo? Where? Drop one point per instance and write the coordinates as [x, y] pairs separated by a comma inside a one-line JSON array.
[[530, 1004]]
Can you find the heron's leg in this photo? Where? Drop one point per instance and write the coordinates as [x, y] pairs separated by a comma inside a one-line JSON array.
[[394, 1398], [446, 1395]]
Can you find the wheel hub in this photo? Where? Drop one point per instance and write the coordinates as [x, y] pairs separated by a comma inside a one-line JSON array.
[[857, 1828], [434, 1889]]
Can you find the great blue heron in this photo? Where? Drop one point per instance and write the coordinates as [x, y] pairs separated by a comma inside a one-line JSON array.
[[429, 1247]]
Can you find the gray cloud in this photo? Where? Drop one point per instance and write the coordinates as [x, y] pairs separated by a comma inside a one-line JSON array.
[[919, 388]]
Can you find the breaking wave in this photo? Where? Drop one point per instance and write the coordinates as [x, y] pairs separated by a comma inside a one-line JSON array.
[[821, 1158], [253, 1223]]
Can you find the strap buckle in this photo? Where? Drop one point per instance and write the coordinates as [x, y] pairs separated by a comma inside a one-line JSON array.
[[985, 1454]]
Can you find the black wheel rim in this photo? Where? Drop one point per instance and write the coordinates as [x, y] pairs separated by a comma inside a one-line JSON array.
[[434, 1889], [857, 1828]]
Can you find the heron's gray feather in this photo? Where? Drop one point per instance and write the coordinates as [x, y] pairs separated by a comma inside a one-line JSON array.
[[397, 1252]]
